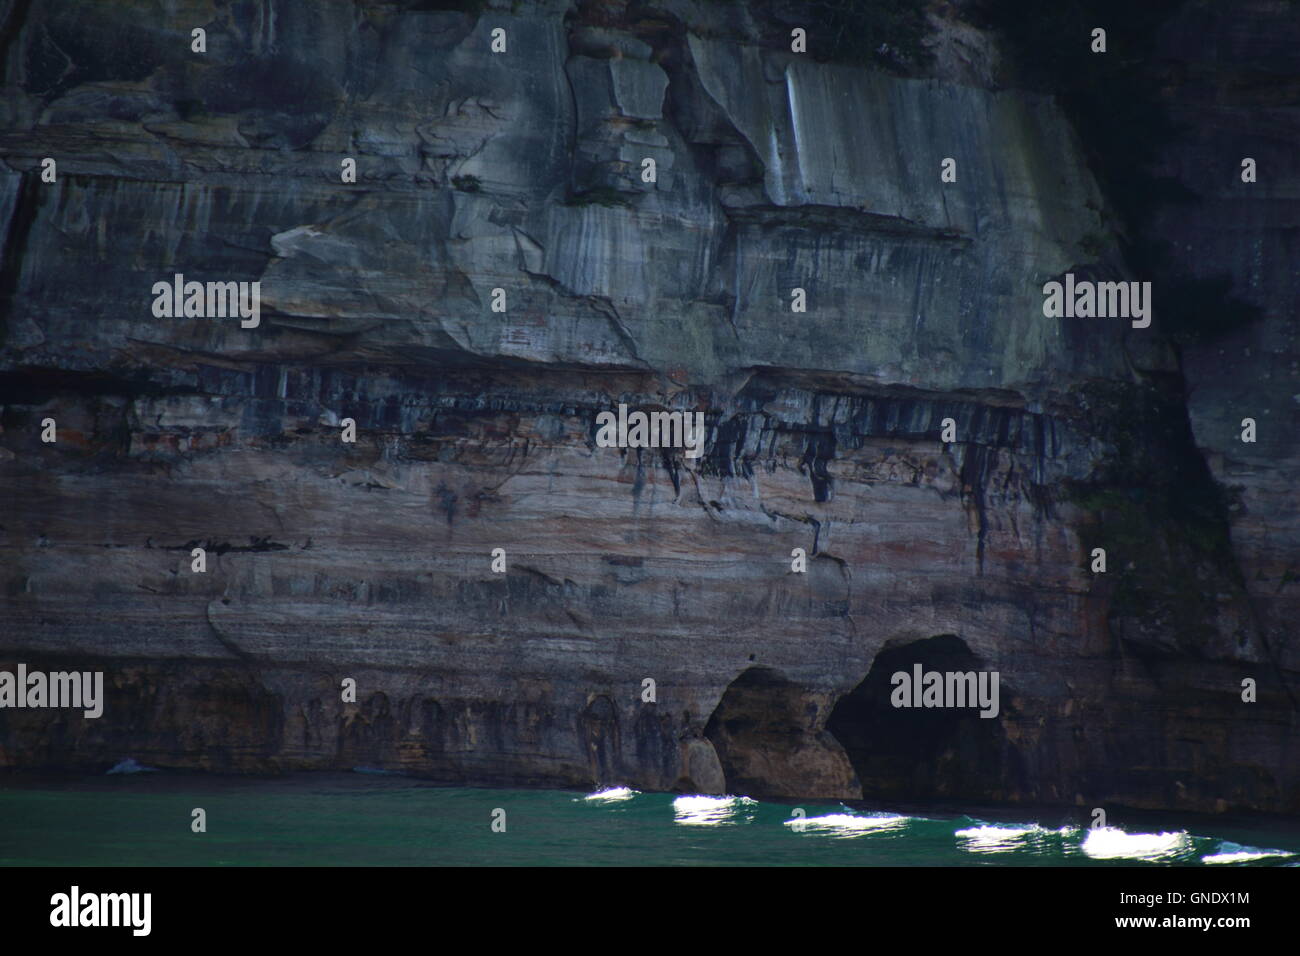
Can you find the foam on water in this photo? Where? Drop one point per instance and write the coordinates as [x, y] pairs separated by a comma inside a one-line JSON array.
[[1110, 843], [847, 824], [999, 839], [612, 795], [699, 810], [1230, 852]]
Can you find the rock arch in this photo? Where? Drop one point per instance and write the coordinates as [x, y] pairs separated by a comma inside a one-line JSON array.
[[769, 736]]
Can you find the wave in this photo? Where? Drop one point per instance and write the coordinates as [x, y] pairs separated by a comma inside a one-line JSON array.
[[1002, 839], [971, 835], [612, 795], [847, 824], [699, 810], [1230, 852], [1111, 843]]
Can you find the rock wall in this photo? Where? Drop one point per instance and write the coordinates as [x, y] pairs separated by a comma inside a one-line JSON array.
[[521, 171], [1239, 98]]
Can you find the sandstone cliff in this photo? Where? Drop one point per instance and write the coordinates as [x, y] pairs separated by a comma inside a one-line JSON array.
[[521, 171]]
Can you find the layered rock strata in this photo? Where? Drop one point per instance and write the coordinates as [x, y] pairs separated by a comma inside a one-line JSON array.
[[522, 172]]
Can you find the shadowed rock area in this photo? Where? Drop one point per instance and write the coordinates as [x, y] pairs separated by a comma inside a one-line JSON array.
[[522, 172]]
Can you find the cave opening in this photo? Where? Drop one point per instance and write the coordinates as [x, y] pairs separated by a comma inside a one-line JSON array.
[[767, 731], [922, 753]]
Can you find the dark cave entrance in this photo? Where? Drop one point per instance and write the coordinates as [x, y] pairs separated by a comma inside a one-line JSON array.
[[922, 753]]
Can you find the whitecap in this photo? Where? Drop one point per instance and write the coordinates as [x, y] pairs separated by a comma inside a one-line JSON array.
[[1111, 843], [699, 810], [612, 795], [847, 824], [1236, 853], [994, 839]]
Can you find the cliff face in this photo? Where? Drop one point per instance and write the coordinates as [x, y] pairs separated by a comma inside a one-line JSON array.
[[521, 171], [1239, 98]]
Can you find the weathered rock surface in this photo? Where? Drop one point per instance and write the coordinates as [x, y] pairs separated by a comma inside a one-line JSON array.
[[522, 172], [1239, 97]]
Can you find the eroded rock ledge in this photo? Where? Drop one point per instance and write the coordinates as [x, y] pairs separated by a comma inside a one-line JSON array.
[[520, 172]]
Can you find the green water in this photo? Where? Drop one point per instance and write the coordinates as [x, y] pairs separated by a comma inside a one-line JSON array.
[[320, 820]]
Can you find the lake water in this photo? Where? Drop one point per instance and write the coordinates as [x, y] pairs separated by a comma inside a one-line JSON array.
[[372, 820]]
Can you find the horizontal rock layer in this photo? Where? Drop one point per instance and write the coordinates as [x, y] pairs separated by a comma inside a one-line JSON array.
[[476, 429]]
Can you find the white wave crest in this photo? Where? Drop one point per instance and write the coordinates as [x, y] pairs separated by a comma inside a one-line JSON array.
[[1236, 853], [699, 810], [612, 795], [994, 839], [1111, 843], [846, 824]]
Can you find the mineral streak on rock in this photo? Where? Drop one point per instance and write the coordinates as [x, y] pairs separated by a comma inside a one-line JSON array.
[[475, 428]]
